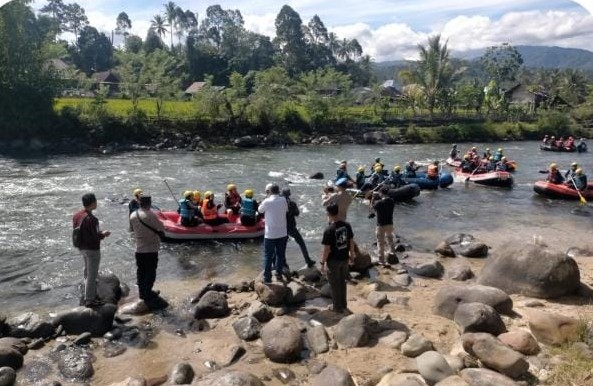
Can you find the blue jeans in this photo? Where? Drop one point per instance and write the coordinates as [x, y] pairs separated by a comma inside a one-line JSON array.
[[274, 253]]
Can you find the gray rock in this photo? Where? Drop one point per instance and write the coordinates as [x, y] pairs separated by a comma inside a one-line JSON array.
[[317, 339], [296, 294], [449, 298], [362, 260], [284, 375], [281, 338], [311, 275], [7, 376], [460, 273], [182, 374], [393, 338], [433, 367], [478, 317], [459, 238], [272, 294], [326, 291], [453, 380], [35, 371], [83, 339], [445, 249], [235, 353], [333, 375], [416, 345], [97, 321], [247, 328], [485, 377], [109, 288], [36, 344], [10, 357], [433, 269], [75, 365], [212, 305], [29, 325], [496, 355], [474, 250], [230, 377], [14, 343], [377, 299], [137, 307], [260, 311], [316, 176], [402, 379], [315, 366], [532, 271], [218, 287], [554, 329], [352, 331], [401, 279], [112, 350], [455, 362]]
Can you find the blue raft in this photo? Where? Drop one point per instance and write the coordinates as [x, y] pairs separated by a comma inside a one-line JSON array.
[[445, 179]]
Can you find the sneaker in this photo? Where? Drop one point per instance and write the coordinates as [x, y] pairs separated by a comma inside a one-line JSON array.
[[311, 264]]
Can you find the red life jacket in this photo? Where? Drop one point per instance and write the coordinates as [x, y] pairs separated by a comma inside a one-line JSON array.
[[209, 210]]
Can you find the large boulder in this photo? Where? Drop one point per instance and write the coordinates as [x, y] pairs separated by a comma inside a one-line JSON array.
[[478, 317], [97, 321], [109, 288], [10, 357], [219, 287], [282, 341], [533, 271], [247, 328], [445, 250], [18, 344], [521, 341], [272, 294], [474, 250], [459, 239], [7, 376], [433, 367], [230, 377], [296, 293], [496, 355], [29, 325], [362, 260], [460, 273], [260, 311], [333, 375], [485, 377], [353, 331], [317, 339], [212, 305], [76, 365], [553, 329], [450, 297], [432, 268]]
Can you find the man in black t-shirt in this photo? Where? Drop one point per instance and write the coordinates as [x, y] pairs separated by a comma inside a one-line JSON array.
[[338, 252], [384, 209]]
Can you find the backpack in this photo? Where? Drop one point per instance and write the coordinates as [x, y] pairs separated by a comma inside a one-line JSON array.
[[77, 234]]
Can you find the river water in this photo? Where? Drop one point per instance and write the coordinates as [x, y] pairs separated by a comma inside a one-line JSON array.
[[39, 269]]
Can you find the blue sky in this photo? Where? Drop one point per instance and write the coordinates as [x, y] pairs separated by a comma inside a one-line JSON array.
[[391, 29]]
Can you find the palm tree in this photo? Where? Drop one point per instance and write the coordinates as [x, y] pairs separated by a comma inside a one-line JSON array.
[[158, 25], [171, 16]]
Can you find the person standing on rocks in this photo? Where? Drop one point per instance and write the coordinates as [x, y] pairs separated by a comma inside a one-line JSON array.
[[148, 231], [338, 253], [383, 208], [274, 208], [341, 198], [293, 212], [90, 247]]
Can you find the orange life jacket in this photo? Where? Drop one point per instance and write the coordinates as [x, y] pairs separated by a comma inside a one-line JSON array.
[[209, 210], [433, 171]]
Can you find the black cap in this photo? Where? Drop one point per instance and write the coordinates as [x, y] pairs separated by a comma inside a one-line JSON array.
[[286, 192]]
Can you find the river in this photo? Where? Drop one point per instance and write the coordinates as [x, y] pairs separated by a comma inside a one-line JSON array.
[[39, 269]]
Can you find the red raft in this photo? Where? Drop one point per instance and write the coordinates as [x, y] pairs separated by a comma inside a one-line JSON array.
[[233, 230], [456, 163], [500, 179], [561, 191]]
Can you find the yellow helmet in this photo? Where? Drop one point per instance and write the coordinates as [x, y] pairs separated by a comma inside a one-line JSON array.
[[361, 169], [208, 194], [491, 158], [503, 159], [553, 166], [499, 149], [197, 195], [188, 194], [378, 168], [487, 149], [474, 148], [579, 171], [248, 193], [466, 157], [397, 168], [137, 192], [230, 187], [574, 164]]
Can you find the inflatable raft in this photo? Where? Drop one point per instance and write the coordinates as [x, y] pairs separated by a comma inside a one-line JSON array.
[[233, 230], [561, 191], [581, 148], [456, 163], [445, 179], [401, 194], [501, 179]]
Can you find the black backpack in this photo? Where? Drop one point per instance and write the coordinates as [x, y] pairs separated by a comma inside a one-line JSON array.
[[77, 234]]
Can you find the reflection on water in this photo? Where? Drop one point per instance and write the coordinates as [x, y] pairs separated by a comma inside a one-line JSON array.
[[39, 268]]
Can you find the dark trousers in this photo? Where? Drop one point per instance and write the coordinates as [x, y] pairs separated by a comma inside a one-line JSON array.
[[248, 220], [146, 264], [296, 235], [217, 221], [274, 254], [337, 273]]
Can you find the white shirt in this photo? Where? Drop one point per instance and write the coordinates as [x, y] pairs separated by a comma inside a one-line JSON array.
[[275, 208]]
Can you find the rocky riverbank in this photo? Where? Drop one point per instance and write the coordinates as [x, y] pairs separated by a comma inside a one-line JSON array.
[[466, 314]]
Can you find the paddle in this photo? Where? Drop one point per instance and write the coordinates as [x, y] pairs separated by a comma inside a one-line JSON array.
[[171, 191], [474, 172], [583, 201]]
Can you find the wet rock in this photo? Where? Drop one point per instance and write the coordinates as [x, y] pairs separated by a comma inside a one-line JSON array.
[[478, 317], [29, 325], [137, 307], [485, 377], [377, 299], [532, 271], [218, 287], [496, 355], [402, 379], [260, 311], [362, 260], [392, 259], [445, 250], [272, 294], [326, 291], [134, 337], [36, 344], [474, 250], [317, 339], [393, 338], [353, 331], [416, 345], [111, 350], [460, 273], [401, 279], [296, 293], [109, 288], [97, 321], [10, 357], [7, 376], [553, 329], [247, 141], [311, 275], [35, 371], [235, 353], [333, 375], [433, 367], [316, 176], [453, 380], [212, 305], [83, 339], [281, 338], [449, 298], [182, 374], [230, 377], [521, 341], [459, 238], [76, 365], [284, 375], [14, 343], [433, 269], [247, 328]]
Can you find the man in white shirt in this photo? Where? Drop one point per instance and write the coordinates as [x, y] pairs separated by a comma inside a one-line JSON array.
[[274, 207]]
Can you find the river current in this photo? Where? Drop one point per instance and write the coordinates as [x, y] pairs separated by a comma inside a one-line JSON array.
[[39, 269]]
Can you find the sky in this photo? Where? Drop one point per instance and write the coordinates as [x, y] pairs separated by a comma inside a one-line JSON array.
[[391, 29]]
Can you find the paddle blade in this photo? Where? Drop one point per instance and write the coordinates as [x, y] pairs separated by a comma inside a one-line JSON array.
[[583, 201]]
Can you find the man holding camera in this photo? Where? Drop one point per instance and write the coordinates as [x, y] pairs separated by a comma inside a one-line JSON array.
[[383, 205]]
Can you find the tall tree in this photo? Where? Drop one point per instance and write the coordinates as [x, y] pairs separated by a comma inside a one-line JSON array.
[[75, 18], [56, 10], [158, 24], [153, 41], [123, 24], [291, 41], [502, 63], [171, 16], [95, 52], [134, 44]]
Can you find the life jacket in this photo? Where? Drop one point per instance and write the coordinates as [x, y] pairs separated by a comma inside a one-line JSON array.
[[501, 166], [184, 210], [209, 210], [234, 198], [248, 207], [432, 172]]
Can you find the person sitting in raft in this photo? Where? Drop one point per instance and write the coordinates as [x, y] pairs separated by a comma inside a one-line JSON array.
[[432, 172], [473, 152], [453, 153], [377, 162], [487, 154], [546, 140], [502, 165], [210, 211], [197, 198], [374, 179], [560, 143], [360, 177], [411, 169], [396, 179], [248, 209], [569, 143], [579, 181], [232, 200], [554, 175], [491, 166], [572, 171], [342, 172], [466, 164], [188, 210], [498, 155], [552, 142], [134, 204]]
